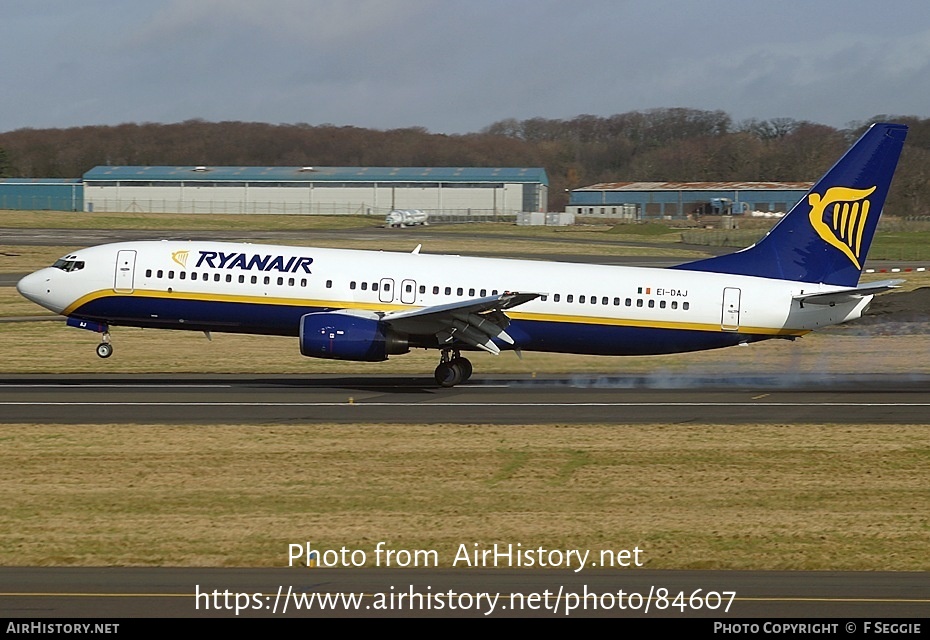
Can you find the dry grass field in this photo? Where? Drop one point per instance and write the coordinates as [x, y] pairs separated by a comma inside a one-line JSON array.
[[690, 496]]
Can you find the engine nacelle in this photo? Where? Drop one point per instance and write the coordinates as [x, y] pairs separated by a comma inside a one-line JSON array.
[[348, 336]]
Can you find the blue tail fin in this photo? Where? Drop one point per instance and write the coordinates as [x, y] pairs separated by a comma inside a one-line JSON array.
[[826, 236]]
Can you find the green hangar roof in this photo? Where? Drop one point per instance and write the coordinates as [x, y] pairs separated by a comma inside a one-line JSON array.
[[319, 174]]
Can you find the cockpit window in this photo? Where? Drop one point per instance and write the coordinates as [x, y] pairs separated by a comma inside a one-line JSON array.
[[66, 264]]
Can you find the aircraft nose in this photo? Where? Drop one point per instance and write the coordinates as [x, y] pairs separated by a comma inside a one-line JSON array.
[[33, 286]]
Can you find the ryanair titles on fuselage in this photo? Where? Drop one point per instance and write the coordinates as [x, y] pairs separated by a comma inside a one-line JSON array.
[[253, 261]]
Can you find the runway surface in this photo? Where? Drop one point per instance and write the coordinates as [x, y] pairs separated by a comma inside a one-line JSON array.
[[720, 595], [854, 399]]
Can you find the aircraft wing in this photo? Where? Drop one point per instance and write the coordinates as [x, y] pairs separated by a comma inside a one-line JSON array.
[[474, 322], [848, 295]]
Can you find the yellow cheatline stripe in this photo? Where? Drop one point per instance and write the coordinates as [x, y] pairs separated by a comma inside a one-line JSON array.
[[219, 297], [514, 315]]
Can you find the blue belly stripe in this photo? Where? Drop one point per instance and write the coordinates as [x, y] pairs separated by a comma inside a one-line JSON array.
[[284, 320]]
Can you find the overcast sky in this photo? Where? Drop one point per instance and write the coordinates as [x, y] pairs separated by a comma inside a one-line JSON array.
[[457, 66]]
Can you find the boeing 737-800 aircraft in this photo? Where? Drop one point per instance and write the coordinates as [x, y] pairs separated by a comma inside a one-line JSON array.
[[368, 305]]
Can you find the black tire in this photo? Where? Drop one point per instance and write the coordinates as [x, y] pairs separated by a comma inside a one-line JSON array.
[[448, 374], [464, 365], [104, 350]]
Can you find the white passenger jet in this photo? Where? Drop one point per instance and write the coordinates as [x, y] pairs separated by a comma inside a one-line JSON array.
[[368, 305]]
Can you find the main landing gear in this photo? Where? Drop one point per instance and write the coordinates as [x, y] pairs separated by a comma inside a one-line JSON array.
[[452, 371], [105, 349]]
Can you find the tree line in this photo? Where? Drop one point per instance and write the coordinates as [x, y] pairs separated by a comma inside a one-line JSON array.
[[676, 144]]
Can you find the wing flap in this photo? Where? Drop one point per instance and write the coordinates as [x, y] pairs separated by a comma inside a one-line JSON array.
[[475, 322], [488, 327]]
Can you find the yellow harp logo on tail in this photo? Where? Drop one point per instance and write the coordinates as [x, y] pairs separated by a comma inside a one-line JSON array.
[[848, 209]]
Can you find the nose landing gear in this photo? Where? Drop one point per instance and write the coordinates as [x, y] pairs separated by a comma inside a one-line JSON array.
[[105, 349]]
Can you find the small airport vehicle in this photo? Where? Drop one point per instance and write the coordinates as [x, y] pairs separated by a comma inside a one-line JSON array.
[[369, 305], [406, 218]]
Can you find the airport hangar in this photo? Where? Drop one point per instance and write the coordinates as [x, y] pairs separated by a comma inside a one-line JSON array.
[[439, 191], [679, 200], [41, 194], [455, 192]]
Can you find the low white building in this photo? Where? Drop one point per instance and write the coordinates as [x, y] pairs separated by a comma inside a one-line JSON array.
[[651, 200], [439, 191]]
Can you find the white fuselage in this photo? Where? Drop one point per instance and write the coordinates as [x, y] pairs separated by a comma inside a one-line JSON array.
[[583, 308]]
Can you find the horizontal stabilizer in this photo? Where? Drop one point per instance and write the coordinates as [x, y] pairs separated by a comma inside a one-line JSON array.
[[848, 295]]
